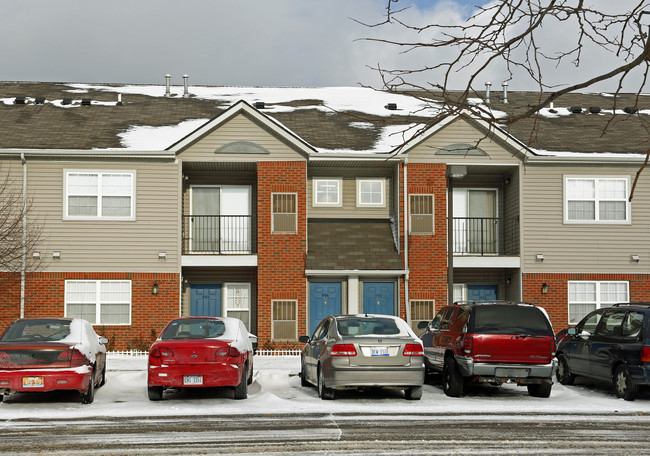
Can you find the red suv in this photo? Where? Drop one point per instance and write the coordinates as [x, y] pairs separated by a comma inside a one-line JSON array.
[[491, 342]]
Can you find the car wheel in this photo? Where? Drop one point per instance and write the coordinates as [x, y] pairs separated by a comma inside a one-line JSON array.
[[303, 378], [155, 393], [323, 391], [540, 389], [452, 381], [563, 374], [89, 396], [414, 393], [623, 385], [241, 390]]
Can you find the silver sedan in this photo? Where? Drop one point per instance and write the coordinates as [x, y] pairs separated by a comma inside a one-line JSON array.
[[362, 351]]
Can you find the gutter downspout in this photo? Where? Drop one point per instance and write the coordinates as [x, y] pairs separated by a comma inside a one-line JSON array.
[[24, 248], [406, 246], [450, 240]]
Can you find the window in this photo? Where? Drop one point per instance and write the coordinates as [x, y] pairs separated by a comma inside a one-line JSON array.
[[99, 195], [101, 302], [327, 192], [238, 302], [284, 320], [596, 200], [421, 209], [370, 192], [284, 213], [421, 310], [587, 296]]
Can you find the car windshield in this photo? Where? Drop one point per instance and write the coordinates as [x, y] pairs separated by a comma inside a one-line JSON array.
[[37, 331], [367, 326], [511, 319], [194, 328]]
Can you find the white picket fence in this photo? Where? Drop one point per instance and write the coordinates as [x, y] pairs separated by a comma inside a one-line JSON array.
[[130, 353]]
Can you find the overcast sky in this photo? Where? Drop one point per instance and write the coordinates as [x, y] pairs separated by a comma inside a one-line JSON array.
[[216, 42]]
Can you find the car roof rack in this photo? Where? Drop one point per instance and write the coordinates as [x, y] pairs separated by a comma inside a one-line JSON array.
[[632, 304], [479, 302]]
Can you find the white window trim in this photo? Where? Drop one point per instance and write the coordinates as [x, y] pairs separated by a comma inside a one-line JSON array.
[[382, 182], [599, 303], [98, 300], [224, 299], [628, 219], [99, 173], [315, 201]]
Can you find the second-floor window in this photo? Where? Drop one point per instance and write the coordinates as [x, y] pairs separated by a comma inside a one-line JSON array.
[[327, 192], [370, 192], [99, 195], [596, 200], [284, 216], [421, 210]]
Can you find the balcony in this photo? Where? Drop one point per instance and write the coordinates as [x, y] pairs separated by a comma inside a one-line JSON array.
[[219, 235], [486, 236]]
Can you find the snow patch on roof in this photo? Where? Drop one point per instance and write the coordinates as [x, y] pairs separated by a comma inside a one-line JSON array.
[[157, 138]]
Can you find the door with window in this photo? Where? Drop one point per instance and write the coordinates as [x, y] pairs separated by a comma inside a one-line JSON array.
[[237, 301], [476, 226], [482, 292], [379, 298], [324, 300], [221, 219], [205, 300]]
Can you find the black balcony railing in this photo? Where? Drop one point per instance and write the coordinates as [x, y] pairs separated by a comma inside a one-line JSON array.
[[219, 234], [486, 236]]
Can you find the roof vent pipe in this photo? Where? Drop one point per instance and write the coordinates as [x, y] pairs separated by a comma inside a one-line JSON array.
[[119, 99], [505, 91], [168, 78], [487, 91], [186, 90]]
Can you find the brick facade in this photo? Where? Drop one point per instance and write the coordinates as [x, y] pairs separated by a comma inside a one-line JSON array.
[[556, 300], [428, 253], [45, 297], [280, 256]]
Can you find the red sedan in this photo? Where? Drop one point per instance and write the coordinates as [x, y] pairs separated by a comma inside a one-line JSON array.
[[201, 352], [46, 354]]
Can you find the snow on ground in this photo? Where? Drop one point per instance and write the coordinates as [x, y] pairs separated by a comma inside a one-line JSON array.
[[276, 390]]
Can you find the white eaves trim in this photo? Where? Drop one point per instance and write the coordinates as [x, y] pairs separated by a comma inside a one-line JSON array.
[[88, 153], [242, 107]]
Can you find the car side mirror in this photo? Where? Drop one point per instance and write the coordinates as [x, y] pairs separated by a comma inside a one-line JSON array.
[[423, 325], [571, 331], [303, 339], [103, 340]]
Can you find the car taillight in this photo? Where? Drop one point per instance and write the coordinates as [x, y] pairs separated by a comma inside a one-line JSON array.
[[159, 352], [343, 350], [645, 354], [468, 345], [413, 350], [75, 357], [223, 352], [4, 356], [553, 347]]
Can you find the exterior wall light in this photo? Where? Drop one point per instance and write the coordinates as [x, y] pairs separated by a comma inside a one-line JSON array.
[[634, 258], [155, 289], [539, 257], [162, 255], [544, 288], [36, 255], [56, 255]]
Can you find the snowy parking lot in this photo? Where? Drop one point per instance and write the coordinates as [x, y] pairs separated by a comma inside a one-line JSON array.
[[276, 390]]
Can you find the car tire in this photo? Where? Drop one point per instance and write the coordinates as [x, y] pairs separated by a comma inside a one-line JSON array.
[[102, 382], [563, 374], [623, 385], [89, 396], [241, 390], [303, 378], [540, 389], [324, 392], [414, 393], [250, 375], [155, 393], [452, 381]]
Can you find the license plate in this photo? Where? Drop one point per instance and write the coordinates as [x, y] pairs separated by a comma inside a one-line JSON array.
[[511, 372], [33, 382], [379, 351], [192, 379]]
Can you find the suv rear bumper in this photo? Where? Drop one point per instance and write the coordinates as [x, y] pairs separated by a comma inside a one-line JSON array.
[[522, 373]]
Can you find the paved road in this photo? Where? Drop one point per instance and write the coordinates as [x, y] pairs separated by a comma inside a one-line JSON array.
[[343, 434]]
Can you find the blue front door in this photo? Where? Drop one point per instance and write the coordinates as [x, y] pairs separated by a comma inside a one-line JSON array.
[[379, 298], [324, 300], [205, 300], [482, 292]]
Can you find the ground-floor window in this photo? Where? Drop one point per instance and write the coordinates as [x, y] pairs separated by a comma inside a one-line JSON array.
[[101, 302], [284, 320], [238, 302], [585, 296], [421, 310]]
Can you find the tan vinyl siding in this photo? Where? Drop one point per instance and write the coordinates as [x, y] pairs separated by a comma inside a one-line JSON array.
[[460, 132], [103, 245], [348, 208], [581, 247], [240, 129]]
